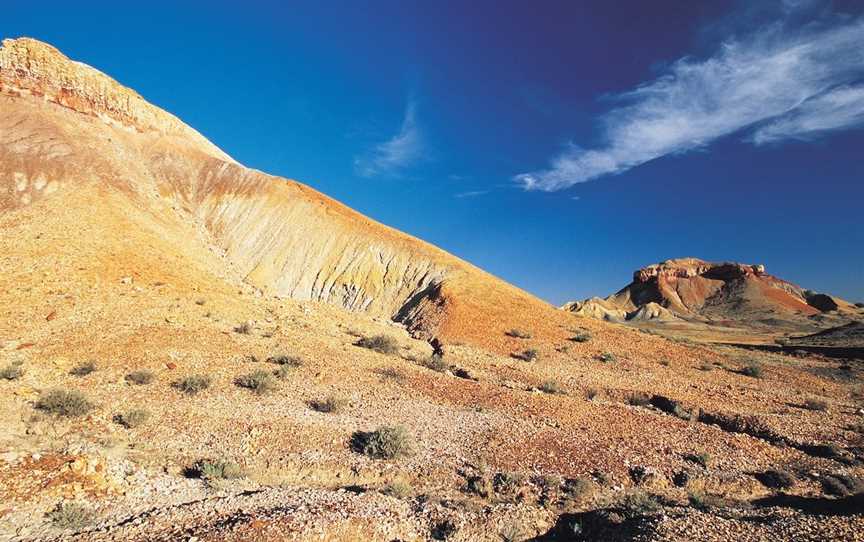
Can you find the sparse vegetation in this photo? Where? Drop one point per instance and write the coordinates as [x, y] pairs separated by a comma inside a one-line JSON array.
[[512, 532], [526, 355], [664, 362], [70, 515], [398, 489], [193, 384], [552, 387], [383, 344], [704, 501], [390, 373], [331, 404], [607, 357], [261, 382], [478, 485], [579, 488], [813, 403], [507, 483], [244, 329], [443, 530], [284, 360], [383, 443], [776, 479], [703, 459], [436, 363], [65, 403], [13, 371], [752, 369], [639, 398], [132, 418], [706, 367], [591, 393], [283, 372], [842, 485], [140, 377], [638, 503], [215, 469], [518, 334], [83, 369], [582, 337]]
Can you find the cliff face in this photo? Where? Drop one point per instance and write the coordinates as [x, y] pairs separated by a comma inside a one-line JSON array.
[[65, 127]]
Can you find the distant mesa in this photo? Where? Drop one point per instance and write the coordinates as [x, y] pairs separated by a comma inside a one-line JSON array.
[[694, 290]]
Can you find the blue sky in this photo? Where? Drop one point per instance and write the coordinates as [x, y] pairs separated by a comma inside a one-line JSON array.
[[559, 145]]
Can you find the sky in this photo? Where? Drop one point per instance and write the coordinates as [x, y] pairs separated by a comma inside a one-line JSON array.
[[559, 145]]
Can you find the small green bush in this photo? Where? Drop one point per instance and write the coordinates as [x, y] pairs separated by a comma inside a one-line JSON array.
[[436, 363], [638, 503], [814, 403], [703, 459], [132, 418], [842, 485], [383, 443], [581, 337], [382, 344], [284, 360], [140, 377], [193, 384], [331, 404], [66, 403], [527, 355], [607, 357], [552, 387], [261, 382], [398, 489], [753, 369], [518, 334], [776, 479], [216, 469], [83, 369], [13, 371], [70, 515]]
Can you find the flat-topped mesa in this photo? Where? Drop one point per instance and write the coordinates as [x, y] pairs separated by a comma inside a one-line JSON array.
[[692, 267], [31, 67]]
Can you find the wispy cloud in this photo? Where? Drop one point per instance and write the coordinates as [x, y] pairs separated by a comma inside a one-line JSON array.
[[780, 83], [392, 157], [471, 194]]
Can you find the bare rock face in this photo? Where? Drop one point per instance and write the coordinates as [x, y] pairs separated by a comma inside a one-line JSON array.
[[694, 289], [66, 128]]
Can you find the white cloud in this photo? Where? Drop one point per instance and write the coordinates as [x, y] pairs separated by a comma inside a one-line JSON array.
[[786, 83], [393, 156]]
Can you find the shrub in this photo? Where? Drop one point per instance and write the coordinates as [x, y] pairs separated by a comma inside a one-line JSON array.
[[382, 344], [193, 384], [83, 369], [639, 399], [607, 357], [436, 363], [443, 530], [260, 382], [579, 488], [842, 485], [814, 403], [330, 404], [512, 532], [383, 443], [706, 367], [507, 482], [389, 373], [638, 503], [703, 459], [12, 372], [133, 418], [703, 501], [478, 485], [526, 355], [66, 403], [70, 515], [398, 489], [776, 479], [591, 393], [283, 372], [518, 334], [216, 469], [581, 337], [140, 377], [552, 387], [286, 361], [752, 369], [244, 329], [665, 362]]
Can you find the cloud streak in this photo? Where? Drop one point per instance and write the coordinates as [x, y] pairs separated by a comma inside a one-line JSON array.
[[392, 157], [778, 84]]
